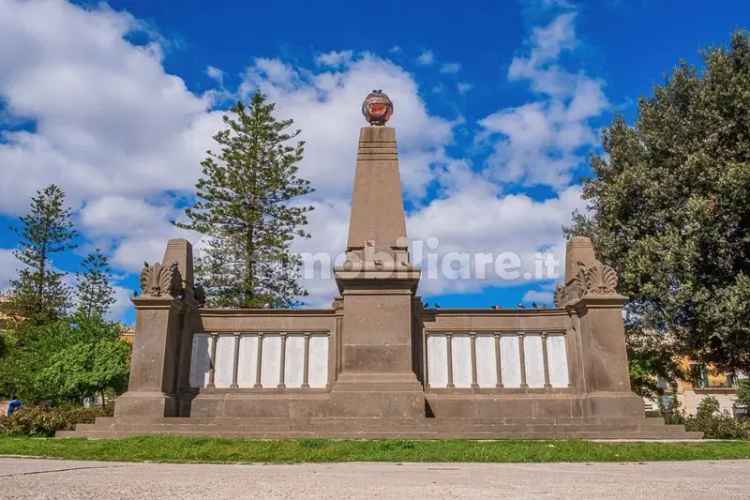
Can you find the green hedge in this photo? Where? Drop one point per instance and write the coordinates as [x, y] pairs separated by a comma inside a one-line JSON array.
[[713, 425], [42, 421]]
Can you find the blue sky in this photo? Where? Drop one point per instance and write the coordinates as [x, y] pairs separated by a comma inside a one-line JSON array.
[[498, 105]]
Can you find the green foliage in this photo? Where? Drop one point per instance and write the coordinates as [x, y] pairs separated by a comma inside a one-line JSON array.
[[714, 425], [651, 358], [669, 209], [65, 361], [39, 421], [245, 205], [743, 392], [95, 293], [39, 293]]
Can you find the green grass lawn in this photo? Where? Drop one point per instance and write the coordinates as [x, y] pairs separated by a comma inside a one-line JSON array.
[[214, 450]]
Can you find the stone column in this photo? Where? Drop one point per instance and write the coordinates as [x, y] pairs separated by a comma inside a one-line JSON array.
[[596, 310], [377, 283], [166, 290]]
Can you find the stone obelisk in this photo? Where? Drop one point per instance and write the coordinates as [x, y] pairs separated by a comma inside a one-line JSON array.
[[377, 283]]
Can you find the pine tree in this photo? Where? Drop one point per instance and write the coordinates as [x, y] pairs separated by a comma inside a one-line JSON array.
[[39, 293], [244, 207], [95, 293]]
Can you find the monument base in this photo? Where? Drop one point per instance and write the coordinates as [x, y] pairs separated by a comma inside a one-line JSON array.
[[386, 428], [382, 395], [146, 404]]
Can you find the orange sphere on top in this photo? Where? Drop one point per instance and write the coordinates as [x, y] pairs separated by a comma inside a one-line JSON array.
[[377, 108]]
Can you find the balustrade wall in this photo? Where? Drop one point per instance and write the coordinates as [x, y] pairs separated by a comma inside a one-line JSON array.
[[260, 360], [499, 360]]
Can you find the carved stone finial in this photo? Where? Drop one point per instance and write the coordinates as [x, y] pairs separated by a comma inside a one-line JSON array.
[[377, 108], [158, 280], [590, 279]]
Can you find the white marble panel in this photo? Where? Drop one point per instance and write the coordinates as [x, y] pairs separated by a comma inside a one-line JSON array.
[[510, 361], [294, 361], [534, 357], [318, 370], [461, 348], [558, 361], [437, 361], [486, 361], [270, 366], [200, 360], [224, 364], [247, 368]]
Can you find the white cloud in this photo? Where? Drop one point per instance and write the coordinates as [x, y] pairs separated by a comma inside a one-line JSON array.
[[450, 68], [108, 118], [473, 217], [326, 107], [426, 58], [215, 74], [464, 87], [122, 303], [139, 229], [9, 266], [118, 132], [335, 58], [540, 142]]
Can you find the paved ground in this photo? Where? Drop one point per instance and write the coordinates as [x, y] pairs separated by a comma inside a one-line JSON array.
[[27, 478]]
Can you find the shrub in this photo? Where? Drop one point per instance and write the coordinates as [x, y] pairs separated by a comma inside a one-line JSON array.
[[669, 407], [714, 425], [743, 392], [45, 421]]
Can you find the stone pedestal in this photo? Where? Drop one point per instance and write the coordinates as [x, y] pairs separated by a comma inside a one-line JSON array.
[[595, 309], [377, 284], [160, 314]]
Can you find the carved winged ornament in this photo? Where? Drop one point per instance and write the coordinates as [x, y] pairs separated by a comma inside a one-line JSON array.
[[158, 280], [595, 279]]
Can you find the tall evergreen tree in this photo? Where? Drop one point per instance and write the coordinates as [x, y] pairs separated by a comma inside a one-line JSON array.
[[39, 293], [245, 207], [95, 292], [669, 209]]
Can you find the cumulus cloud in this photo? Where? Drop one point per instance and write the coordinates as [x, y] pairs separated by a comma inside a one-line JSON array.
[[123, 136], [472, 216], [136, 230], [326, 107], [540, 142], [108, 118], [335, 58], [426, 58]]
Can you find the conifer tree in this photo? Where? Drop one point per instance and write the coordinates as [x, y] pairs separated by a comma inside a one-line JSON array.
[[245, 205], [39, 293], [95, 293]]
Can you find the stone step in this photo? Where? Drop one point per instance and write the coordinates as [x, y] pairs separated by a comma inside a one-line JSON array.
[[427, 428], [259, 434]]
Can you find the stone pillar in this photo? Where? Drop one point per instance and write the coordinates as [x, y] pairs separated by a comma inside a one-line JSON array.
[[160, 315], [377, 283], [596, 310]]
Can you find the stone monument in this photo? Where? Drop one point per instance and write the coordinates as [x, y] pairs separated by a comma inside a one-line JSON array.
[[378, 363]]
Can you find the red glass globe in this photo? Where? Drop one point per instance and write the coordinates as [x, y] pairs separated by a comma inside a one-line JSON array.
[[377, 108]]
